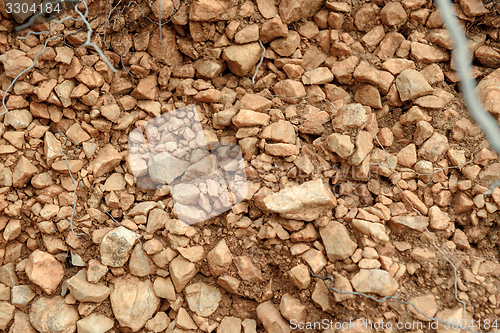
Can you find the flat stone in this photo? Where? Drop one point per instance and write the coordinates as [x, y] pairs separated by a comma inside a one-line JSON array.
[[255, 102], [427, 53], [425, 304], [299, 276], [246, 118], [411, 84], [409, 221], [53, 315], [107, 159], [202, 298], [247, 270], [229, 325], [133, 302], [292, 308], [21, 296], [375, 281], [94, 323], [281, 131], [84, 291]]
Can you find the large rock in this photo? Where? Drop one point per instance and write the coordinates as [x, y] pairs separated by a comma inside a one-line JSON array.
[[49, 315], [304, 202], [116, 245], [133, 302], [374, 281], [295, 10], [44, 270], [84, 291], [240, 59], [337, 241], [202, 298]]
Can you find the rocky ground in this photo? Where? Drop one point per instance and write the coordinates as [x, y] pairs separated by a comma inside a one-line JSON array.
[[361, 163]]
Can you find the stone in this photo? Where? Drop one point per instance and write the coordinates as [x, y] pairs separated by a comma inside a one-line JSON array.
[[246, 118], [366, 73], [181, 272], [12, 230], [95, 271], [340, 144], [281, 149], [286, 46], [44, 270], [320, 75], [248, 34], [412, 84], [19, 119], [247, 270], [368, 95], [159, 323], [349, 116], [365, 17], [434, 148], [310, 197], [321, 296], [488, 56], [77, 134], [267, 8], [409, 221], [240, 59], [292, 308], [84, 291], [488, 90], [272, 29], [116, 245], [21, 324], [337, 241], [94, 323], [407, 156], [452, 316], [107, 159], [373, 229], [184, 320], [290, 90], [439, 220], [427, 53], [281, 131], [229, 325], [23, 172], [375, 281], [21, 296], [343, 284], [229, 283], [396, 66], [207, 10], [271, 318], [6, 314], [133, 302], [8, 275], [255, 102], [169, 56], [53, 315], [315, 259], [425, 304], [364, 145], [299, 276], [293, 10], [164, 288], [160, 163], [473, 8], [393, 14], [219, 259], [202, 298]]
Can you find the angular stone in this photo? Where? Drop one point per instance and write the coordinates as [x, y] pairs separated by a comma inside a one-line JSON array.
[[434, 148], [340, 144], [293, 10], [293, 309], [337, 242], [375, 281], [53, 315], [428, 53], [94, 323], [318, 75], [255, 102], [84, 291], [281, 131], [107, 159], [219, 259], [247, 270], [116, 245], [409, 221], [271, 318], [368, 74], [250, 118], [181, 272], [202, 298], [272, 29], [290, 90], [299, 276], [241, 58], [133, 302], [21, 296], [44, 270], [393, 14], [411, 84]]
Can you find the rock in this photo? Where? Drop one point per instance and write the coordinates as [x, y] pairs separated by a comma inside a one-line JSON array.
[[219, 259], [21, 296], [368, 95], [247, 270], [473, 8], [290, 90], [428, 53], [115, 182], [488, 56], [159, 323], [340, 144], [181, 272], [202, 298], [407, 156], [281, 149], [411, 84], [12, 230], [271, 318], [53, 315], [164, 288], [23, 172], [6, 314], [311, 197], [84, 291], [373, 229], [375, 281], [185, 193], [19, 119], [184, 321], [488, 90], [194, 253], [133, 302], [393, 14], [292, 308], [318, 75], [15, 62], [286, 46], [349, 116], [44, 270], [366, 73], [452, 316], [434, 148], [273, 29], [292, 10], [364, 145], [240, 59], [107, 159], [425, 304], [281, 131], [343, 284], [315, 259], [299, 276], [95, 271], [267, 8], [209, 10], [160, 163], [246, 118], [77, 134], [439, 220], [116, 245], [337, 242], [321, 296], [229, 325], [248, 34], [21, 324], [169, 56], [255, 103], [8, 275], [408, 221], [94, 323]]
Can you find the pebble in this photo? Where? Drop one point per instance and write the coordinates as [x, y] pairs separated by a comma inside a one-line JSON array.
[[84, 291], [116, 246], [229, 325], [95, 271], [240, 59], [250, 118], [133, 302], [53, 314], [315, 259], [412, 84], [292, 308], [425, 304], [247, 270], [374, 281], [299, 276], [337, 241], [44, 270], [271, 318], [340, 144], [21, 296], [202, 298], [94, 323], [164, 288], [280, 131], [219, 259], [181, 272], [184, 320]]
